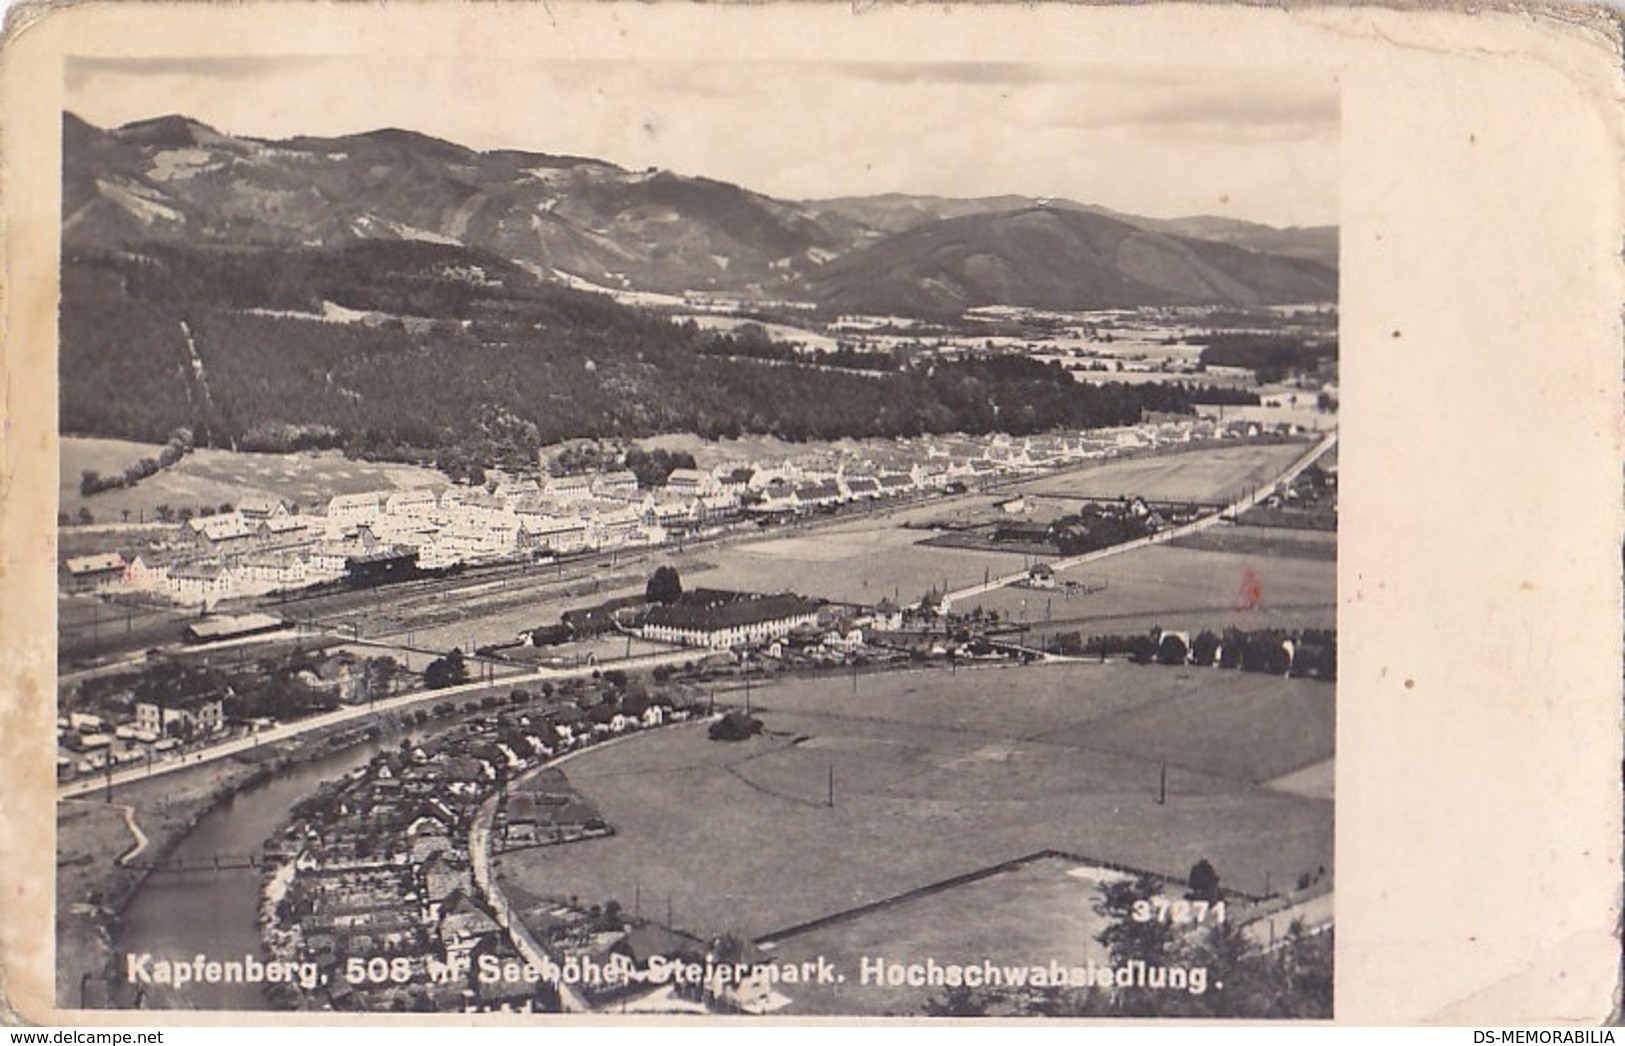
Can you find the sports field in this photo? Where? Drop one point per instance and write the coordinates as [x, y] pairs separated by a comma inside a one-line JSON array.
[[1209, 474], [939, 774]]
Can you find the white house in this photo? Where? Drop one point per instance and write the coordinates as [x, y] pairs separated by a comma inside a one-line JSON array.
[[615, 486], [412, 504], [570, 488], [560, 534], [618, 526], [350, 509], [199, 582], [203, 715], [689, 482], [93, 573]]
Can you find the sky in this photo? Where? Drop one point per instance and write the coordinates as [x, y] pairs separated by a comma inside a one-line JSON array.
[[1258, 142]]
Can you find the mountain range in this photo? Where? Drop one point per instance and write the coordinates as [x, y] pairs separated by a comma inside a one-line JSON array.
[[582, 220]]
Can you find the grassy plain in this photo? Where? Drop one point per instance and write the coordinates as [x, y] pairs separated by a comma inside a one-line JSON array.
[[855, 561], [1208, 474], [209, 477], [1176, 588], [939, 774]]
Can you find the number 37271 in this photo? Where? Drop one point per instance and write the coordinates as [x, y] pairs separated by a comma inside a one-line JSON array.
[[1163, 910]]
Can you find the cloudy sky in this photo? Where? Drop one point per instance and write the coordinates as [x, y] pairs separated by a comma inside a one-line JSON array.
[[1248, 142]]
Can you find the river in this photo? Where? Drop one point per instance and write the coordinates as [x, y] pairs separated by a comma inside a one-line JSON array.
[[181, 914]]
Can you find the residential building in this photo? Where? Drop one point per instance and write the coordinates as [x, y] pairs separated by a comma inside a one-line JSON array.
[[350, 509], [557, 534], [224, 534], [93, 573], [201, 715], [615, 486], [689, 482], [200, 582], [570, 488], [258, 508]]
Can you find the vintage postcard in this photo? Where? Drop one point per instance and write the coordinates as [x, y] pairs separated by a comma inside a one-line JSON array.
[[795, 512]]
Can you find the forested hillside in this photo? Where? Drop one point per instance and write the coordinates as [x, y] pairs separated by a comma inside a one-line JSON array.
[[444, 354]]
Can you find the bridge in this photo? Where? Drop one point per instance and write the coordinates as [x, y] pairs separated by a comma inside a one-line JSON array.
[[216, 863]]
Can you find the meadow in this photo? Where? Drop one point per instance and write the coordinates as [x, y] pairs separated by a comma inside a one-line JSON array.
[[1209, 474], [211, 478], [1176, 588], [938, 774]]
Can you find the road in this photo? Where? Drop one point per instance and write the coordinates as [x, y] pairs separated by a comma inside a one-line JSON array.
[[227, 749], [479, 855], [1273, 930], [1263, 491]]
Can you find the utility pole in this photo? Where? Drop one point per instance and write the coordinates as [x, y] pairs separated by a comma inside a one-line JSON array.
[[1162, 786], [831, 799]]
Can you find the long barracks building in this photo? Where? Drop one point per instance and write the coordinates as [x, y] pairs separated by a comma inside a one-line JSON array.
[[722, 620]]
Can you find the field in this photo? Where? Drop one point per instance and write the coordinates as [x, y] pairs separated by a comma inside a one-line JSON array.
[[1291, 543], [88, 627], [938, 775], [211, 478], [1177, 588], [858, 561], [1027, 915], [1211, 474]]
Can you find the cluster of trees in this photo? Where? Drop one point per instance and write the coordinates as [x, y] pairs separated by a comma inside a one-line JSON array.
[[1306, 653], [1220, 394], [1270, 356], [282, 437], [1096, 526], [665, 586], [653, 466], [450, 670], [481, 372], [734, 726], [752, 341], [178, 446], [269, 687]]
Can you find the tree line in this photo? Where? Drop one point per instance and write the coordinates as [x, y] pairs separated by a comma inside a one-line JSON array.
[[474, 374], [1310, 653], [178, 446]]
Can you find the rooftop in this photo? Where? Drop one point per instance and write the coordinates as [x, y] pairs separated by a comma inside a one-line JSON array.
[[711, 610]]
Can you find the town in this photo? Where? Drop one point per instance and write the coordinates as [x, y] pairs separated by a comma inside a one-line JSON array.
[[249, 560]]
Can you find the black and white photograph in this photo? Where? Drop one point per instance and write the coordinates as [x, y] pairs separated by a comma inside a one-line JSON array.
[[779, 514], [514, 560]]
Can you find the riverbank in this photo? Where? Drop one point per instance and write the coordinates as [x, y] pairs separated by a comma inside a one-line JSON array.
[[94, 888]]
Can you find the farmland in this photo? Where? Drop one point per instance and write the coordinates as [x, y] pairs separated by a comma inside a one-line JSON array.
[[1177, 588], [1032, 913], [1211, 474], [939, 774], [1264, 541], [211, 478], [858, 561]]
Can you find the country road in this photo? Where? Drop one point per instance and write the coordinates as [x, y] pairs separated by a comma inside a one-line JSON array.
[[1162, 537], [141, 772]]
